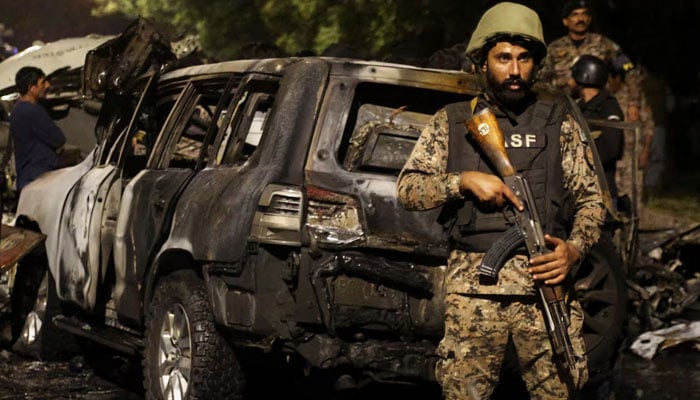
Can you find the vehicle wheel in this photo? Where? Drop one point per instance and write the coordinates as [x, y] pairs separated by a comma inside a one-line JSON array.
[[600, 287], [28, 295], [34, 304], [185, 357]]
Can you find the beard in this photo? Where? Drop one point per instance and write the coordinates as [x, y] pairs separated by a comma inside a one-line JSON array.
[[512, 99]]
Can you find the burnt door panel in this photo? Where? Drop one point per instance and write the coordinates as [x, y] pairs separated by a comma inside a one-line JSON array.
[[87, 222], [215, 213], [379, 266], [143, 220], [149, 198], [80, 238]]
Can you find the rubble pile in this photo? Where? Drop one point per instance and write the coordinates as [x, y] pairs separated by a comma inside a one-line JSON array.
[[663, 290]]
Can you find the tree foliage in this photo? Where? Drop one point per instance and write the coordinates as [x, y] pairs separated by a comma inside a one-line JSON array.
[[370, 28], [405, 30]]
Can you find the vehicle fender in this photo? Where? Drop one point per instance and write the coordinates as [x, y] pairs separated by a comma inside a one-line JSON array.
[[173, 256], [43, 200]]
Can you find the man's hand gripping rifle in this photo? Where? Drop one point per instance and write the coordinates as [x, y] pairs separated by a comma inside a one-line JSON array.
[[486, 133]]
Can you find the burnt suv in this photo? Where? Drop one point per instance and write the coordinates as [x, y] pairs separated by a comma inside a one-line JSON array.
[[249, 208]]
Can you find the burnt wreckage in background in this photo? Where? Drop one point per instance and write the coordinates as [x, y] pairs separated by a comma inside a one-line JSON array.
[[250, 206]]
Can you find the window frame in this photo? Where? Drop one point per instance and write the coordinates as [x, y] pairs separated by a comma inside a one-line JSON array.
[[106, 154], [254, 89], [180, 116]]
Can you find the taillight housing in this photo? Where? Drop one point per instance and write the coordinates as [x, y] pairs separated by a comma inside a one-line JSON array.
[[278, 219], [333, 219]]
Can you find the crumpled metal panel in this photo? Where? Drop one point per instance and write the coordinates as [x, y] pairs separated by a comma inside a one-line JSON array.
[[113, 65], [664, 286]]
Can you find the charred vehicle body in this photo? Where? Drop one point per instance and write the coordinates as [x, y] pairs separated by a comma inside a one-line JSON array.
[[250, 206]]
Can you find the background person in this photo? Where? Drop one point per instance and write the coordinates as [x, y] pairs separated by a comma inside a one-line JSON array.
[[36, 138], [562, 53], [444, 169], [636, 109], [591, 76]]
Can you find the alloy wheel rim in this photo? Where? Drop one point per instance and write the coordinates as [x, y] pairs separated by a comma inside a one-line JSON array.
[[175, 353]]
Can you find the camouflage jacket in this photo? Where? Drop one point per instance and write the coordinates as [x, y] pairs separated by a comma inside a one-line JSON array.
[[635, 92], [627, 96], [563, 53], [624, 171], [425, 184]]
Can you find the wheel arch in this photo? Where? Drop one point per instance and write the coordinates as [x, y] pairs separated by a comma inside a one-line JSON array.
[[168, 261]]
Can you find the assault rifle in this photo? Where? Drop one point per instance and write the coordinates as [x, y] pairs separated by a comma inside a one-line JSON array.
[[485, 131]]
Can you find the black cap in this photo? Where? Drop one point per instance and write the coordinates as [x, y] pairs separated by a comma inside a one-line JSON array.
[[572, 5]]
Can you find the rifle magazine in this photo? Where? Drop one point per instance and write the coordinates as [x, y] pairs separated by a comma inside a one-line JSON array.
[[500, 251]]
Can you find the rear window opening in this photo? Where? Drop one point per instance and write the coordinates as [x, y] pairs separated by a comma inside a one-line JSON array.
[[384, 124]]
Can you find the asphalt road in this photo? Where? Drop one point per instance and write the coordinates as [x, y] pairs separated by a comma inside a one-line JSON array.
[[673, 374]]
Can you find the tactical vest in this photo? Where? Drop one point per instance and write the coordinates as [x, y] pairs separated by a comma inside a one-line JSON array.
[[533, 146]]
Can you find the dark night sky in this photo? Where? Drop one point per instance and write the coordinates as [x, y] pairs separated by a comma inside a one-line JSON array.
[[50, 20]]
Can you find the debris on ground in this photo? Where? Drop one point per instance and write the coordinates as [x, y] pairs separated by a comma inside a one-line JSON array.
[[663, 289], [648, 343]]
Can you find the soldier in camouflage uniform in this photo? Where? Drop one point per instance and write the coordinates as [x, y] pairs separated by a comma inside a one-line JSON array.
[[483, 318], [636, 109], [563, 52]]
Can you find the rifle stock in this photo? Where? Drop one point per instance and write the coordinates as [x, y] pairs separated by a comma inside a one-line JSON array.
[[484, 130]]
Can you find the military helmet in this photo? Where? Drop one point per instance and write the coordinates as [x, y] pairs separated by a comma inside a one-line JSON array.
[[503, 21], [590, 70]]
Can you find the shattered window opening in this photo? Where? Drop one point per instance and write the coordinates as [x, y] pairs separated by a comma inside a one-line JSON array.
[[384, 124], [112, 145], [248, 123], [202, 120], [229, 129]]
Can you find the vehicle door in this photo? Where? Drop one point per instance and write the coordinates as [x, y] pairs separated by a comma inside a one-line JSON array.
[[180, 150], [213, 217], [110, 76], [89, 213]]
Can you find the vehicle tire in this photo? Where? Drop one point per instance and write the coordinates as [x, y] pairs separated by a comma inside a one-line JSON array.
[[28, 290], [601, 288], [34, 304], [185, 356]]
